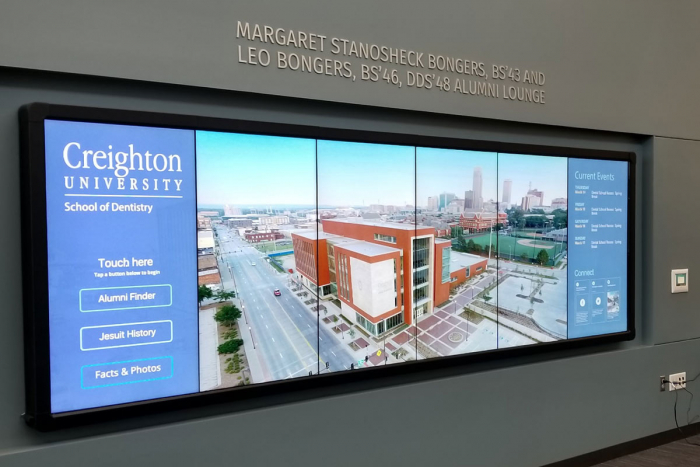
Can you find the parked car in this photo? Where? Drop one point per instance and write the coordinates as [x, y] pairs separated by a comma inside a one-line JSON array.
[[277, 292], [253, 263]]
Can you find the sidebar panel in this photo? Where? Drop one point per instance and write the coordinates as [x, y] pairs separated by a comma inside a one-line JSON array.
[[598, 254], [122, 262]]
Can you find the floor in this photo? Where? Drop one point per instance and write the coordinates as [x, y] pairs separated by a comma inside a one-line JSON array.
[[676, 454]]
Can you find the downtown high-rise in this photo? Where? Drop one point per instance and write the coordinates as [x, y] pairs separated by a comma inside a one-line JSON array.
[[477, 189], [444, 199], [468, 200], [507, 188]]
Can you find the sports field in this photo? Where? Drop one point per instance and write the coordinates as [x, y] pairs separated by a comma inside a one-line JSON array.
[[271, 247], [516, 246]]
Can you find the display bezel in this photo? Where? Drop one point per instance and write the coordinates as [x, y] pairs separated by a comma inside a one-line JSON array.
[[35, 260]]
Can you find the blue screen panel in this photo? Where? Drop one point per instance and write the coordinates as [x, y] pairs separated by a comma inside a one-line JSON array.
[[122, 263], [597, 257]]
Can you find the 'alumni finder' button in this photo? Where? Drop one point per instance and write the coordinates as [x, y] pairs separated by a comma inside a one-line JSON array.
[[125, 335], [126, 298]]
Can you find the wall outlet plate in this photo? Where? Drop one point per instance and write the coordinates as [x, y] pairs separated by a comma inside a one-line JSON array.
[[679, 280], [677, 381]]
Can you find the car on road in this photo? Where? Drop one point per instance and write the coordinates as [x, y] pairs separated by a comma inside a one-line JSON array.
[[277, 292], [253, 263]]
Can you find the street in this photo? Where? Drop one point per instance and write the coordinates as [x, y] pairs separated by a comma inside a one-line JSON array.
[[283, 330]]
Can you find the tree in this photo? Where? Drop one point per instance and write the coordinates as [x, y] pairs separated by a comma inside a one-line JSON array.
[[462, 243], [223, 295], [471, 245], [543, 257], [524, 257], [352, 333], [561, 218], [203, 292], [231, 346], [227, 315], [478, 248], [516, 217], [535, 221]]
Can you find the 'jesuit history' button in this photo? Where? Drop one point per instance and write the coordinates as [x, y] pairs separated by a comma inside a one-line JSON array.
[[125, 335]]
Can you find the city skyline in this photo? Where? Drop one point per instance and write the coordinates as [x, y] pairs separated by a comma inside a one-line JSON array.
[[527, 172], [453, 171], [255, 171]]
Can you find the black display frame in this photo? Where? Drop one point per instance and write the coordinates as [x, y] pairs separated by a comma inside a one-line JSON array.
[[35, 260]]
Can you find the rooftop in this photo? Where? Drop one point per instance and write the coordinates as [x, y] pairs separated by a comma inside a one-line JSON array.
[[368, 249], [206, 262], [442, 240], [314, 235], [461, 260], [338, 240], [387, 225]]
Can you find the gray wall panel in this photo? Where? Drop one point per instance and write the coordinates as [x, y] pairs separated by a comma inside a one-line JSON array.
[[675, 232], [629, 65], [525, 411]]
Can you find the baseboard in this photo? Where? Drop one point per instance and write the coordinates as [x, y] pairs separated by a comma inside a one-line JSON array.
[[630, 447]]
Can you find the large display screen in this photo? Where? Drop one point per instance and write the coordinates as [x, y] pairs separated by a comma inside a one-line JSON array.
[[183, 261]]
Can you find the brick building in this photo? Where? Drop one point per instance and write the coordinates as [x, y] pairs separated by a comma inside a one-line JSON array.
[[384, 274], [482, 221], [257, 237]]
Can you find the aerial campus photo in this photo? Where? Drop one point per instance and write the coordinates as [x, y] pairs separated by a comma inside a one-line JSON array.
[[324, 256]]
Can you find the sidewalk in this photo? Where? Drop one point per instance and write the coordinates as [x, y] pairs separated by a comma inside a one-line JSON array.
[[258, 373], [531, 333], [364, 346], [209, 366]]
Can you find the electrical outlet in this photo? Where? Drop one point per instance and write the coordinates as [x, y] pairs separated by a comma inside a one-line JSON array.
[[677, 381], [662, 382]]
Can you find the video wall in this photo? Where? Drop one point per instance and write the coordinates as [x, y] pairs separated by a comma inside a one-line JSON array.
[[186, 261]]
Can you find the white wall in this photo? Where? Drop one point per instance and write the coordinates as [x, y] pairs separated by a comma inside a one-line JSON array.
[[373, 286]]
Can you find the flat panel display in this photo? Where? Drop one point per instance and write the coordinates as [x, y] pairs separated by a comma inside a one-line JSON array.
[[183, 259]]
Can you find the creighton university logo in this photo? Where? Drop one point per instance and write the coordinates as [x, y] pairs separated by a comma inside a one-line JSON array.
[[121, 164]]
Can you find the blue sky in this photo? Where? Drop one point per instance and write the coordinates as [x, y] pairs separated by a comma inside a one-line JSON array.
[[360, 174], [247, 170]]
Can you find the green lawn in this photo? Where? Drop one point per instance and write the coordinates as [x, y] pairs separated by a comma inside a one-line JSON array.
[[269, 247], [509, 245]]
